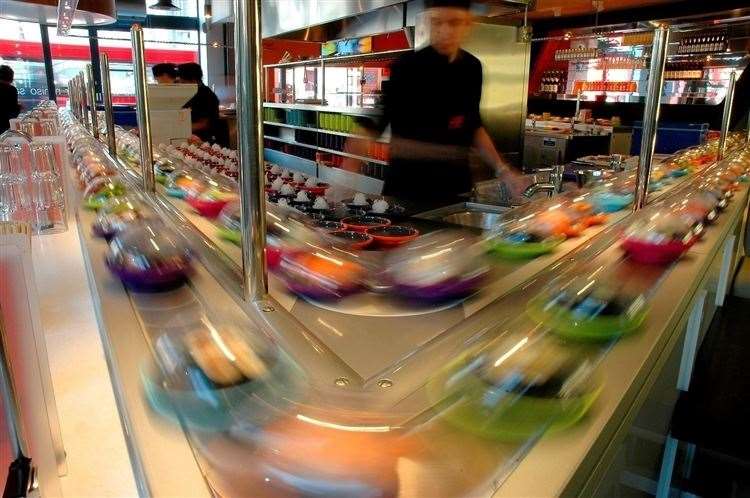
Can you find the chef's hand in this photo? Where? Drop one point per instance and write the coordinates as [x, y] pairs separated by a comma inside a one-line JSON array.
[[514, 181]]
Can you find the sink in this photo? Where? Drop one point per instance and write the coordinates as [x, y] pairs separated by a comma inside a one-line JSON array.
[[468, 214]]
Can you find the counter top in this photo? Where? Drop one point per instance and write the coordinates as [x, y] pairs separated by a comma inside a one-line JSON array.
[[364, 356], [574, 460]]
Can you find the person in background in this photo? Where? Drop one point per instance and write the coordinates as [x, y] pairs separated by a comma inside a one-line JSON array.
[[165, 73], [9, 106], [204, 105], [432, 104]]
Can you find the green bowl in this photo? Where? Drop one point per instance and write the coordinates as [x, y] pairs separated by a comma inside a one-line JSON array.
[[97, 201], [598, 329], [523, 418], [233, 236], [525, 250], [161, 178]]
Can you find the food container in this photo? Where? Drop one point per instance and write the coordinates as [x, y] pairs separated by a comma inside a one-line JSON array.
[[517, 387], [210, 202], [439, 266], [320, 275], [393, 235], [210, 374], [363, 223], [610, 202], [149, 257], [351, 239], [661, 239], [588, 308], [522, 240], [99, 191]]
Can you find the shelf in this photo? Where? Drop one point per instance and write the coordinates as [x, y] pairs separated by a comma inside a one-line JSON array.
[[384, 140], [323, 149], [354, 111], [353, 156], [344, 58], [290, 142]]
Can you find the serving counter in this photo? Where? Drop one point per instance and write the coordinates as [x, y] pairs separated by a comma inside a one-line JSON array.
[[365, 367]]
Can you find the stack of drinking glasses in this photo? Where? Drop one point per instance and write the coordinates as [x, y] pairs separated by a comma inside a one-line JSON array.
[[31, 186]]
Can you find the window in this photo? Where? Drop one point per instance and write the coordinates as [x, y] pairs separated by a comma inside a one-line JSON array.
[[70, 54], [21, 49], [161, 45]]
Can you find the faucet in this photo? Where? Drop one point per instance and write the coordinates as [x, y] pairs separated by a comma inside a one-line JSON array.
[[552, 186], [616, 163]]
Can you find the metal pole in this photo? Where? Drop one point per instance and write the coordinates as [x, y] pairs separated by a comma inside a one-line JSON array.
[[748, 127], [91, 89], [728, 101], [107, 99], [48, 69], [651, 114], [248, 63], [71, 97], [84, 100], [79, 99], [142, 111], [323, 77]]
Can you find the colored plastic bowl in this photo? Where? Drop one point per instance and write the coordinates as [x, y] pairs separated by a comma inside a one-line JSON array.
[[655, 254], [525, 250], [393, 235], [353, 240], [567, 324], [363, 223]]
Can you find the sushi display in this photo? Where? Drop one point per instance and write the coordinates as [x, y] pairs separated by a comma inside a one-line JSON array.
[[319, 275], [439, 266], [517, 387], [661, 239], [587, 309], [149, 257], [526, 239]]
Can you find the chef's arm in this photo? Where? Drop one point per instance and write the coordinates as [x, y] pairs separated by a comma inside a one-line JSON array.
[[200, 125], [487, 151]]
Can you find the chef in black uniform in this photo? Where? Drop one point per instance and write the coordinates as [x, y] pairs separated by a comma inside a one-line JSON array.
[[9, 107], [432, 104], [204, 105]]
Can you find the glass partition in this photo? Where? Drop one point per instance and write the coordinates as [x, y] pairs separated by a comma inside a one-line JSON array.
[[21, 49]]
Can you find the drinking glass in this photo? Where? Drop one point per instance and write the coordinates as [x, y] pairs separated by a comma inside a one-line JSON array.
[[13, 191], [46, 185]]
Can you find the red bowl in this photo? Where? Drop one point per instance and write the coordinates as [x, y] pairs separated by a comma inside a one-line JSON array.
[[353, 240], [655, 254], [363, 223], [273, 257], [393, 235], [208, 209], [319, 189]]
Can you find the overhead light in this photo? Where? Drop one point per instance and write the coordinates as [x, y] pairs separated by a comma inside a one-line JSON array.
[[86, 13], [66, 10], [164, 5]]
